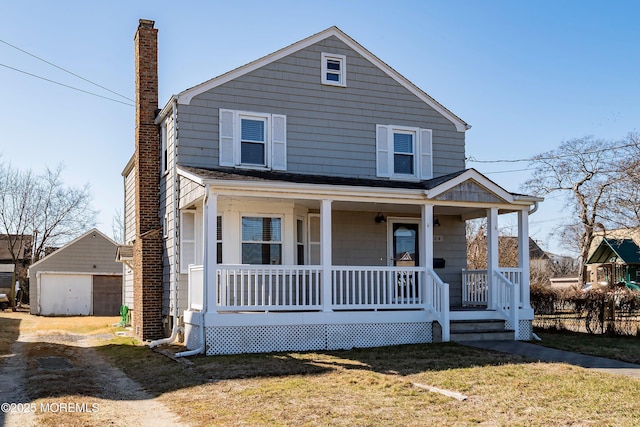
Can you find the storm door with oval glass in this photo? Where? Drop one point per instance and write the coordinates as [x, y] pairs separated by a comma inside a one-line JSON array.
[[405, 252]]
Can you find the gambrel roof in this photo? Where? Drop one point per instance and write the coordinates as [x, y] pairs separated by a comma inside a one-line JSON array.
[[186, 96]]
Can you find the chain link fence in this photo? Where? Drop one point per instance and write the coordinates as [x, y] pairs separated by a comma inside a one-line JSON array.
[[610, 311]]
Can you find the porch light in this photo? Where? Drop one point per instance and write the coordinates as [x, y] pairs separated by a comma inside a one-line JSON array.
[[436, 222], [380, 218]]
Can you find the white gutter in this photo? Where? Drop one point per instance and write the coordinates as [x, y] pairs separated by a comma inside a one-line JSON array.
[[203, 312], [176, 273]]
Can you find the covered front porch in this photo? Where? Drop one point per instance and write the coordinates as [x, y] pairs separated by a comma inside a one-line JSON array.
[[345, 267]]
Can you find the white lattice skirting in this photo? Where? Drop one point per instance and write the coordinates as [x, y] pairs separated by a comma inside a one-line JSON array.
[[263, 339], [525, 328]]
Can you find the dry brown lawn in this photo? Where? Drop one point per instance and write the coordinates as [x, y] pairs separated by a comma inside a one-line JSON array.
[[360, 387]]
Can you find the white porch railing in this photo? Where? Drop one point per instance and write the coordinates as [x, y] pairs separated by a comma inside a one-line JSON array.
[[265, 288], [296, 288], [508, 299], [475, 285], [299, 288], [360, 288], [440, 303], [196, 287]]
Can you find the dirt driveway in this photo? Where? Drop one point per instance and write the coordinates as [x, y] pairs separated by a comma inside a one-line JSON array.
[[51, 376]]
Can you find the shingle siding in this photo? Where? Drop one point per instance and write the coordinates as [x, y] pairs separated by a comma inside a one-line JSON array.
[[330, 130]]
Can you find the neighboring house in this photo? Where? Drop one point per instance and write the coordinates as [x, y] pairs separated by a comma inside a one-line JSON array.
[[8, 266], [508, 253], [311, 199], [80, 278], [614, 256]]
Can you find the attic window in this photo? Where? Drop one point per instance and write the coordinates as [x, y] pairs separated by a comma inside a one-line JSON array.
[[334, 69]]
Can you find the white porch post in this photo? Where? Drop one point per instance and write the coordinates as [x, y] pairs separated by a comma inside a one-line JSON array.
[[325, 253], [426, 254], [426, 257], [523, 257], [492, 255], [210, 219]]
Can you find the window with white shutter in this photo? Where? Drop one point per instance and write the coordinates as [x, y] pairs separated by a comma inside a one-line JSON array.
[[403, 152], [253, 140]]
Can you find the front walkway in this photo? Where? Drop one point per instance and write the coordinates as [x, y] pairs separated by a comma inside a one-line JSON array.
[[546, 354]]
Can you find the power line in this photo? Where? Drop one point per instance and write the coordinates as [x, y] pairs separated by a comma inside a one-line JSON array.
[[66, 71], [531, 159], [67, 86]]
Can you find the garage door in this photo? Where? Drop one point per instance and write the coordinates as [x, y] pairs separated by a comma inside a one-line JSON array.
[[107, 295], [65, 294]]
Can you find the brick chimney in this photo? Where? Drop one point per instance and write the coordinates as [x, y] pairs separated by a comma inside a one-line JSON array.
[[147, 248]]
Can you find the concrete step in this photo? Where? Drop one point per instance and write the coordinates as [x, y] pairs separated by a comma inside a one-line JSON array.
[[475, 330], [504, 335], [476, 325]]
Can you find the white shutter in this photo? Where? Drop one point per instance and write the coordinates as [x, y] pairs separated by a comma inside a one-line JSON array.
[[279, 142], [187, 240], [226, 131], [382, 151], [426, 157]]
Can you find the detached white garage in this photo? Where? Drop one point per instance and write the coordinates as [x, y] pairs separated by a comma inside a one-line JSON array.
[[80, 279], [65, 294]]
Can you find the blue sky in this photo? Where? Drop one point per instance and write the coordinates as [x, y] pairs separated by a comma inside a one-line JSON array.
[[525, 74]]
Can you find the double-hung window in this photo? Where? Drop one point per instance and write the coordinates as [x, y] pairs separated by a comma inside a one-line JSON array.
[[334, 69], [403, 152], [261, 240], [253, 140]]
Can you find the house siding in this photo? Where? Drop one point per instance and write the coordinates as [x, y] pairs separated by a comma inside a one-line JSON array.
[[85, 255], [129, 234], [330, 130]]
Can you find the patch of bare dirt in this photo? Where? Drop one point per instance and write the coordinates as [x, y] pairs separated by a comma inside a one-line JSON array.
[[56, 378]]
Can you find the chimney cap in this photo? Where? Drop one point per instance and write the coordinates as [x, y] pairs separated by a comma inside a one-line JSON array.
[[146, 23]]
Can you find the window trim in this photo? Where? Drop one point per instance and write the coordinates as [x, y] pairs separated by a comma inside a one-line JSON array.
[[184, 264], [412, 154], [310, 242], [164, 153], [266, 118], [342, 74]]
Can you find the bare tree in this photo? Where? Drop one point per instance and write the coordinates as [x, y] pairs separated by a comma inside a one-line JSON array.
[[586, 170], [477, 246], [624, 201], [117, 226], [40, 211]]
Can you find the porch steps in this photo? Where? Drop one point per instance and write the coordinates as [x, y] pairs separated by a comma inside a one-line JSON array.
[[480, 330]]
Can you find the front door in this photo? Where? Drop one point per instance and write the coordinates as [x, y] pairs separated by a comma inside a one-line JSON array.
[[405, 244], [405, 253]]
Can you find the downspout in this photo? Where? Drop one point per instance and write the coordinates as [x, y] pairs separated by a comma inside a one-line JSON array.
[[203, 312], [176, 329], [534, 208]]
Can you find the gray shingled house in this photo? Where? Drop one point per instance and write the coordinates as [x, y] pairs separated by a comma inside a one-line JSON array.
[[311, 199]]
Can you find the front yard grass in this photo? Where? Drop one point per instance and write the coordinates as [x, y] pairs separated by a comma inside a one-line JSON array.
[[625, 348], [380, 386]]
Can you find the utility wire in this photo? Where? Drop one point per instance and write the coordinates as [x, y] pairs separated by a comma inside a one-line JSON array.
[[531, 159], [67, 86], [66, 71]]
